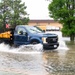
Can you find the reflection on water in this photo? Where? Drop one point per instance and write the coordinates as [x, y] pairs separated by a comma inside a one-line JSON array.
[[49, 62], [61, 62]]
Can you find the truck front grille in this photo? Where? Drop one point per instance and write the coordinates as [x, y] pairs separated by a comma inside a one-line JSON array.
[[51, 39]]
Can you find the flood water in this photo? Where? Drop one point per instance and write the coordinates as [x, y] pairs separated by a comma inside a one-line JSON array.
[[22, 61]]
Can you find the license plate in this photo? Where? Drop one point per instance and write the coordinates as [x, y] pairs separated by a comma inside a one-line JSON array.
[[55, 45]]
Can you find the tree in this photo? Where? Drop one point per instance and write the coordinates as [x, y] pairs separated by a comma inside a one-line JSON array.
[[64, 12], [4, 13], [18, 15], [12, 12]]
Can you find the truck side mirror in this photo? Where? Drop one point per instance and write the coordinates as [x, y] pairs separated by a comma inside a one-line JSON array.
[[21, 32], [26, 33]]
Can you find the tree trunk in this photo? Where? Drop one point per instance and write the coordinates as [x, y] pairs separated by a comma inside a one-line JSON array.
[[72, 37]]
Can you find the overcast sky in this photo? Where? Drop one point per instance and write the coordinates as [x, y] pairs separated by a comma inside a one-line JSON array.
[[37, 9]]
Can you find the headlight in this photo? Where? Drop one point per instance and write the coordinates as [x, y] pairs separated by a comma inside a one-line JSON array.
[[44, 39]]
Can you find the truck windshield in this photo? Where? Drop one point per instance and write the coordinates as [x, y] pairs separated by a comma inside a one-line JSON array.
[[34, 29]]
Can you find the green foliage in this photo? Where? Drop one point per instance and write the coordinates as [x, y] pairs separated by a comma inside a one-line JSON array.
[[3, 13], [64, 12], [13, 12]]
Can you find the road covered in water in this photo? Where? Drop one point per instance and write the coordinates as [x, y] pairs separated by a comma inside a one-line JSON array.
[[25, 61]]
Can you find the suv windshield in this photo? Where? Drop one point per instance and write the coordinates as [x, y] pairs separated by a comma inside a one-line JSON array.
[[34, 29]]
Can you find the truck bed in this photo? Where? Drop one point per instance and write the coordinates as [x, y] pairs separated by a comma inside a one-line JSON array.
[[7, 37]]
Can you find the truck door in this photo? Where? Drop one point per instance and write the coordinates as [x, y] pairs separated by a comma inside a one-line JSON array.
[[21, 37]]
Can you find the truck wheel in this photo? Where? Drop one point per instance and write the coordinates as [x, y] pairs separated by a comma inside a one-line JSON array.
[[34, 42]]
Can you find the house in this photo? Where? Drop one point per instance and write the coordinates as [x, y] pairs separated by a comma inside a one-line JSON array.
[[43, 23]]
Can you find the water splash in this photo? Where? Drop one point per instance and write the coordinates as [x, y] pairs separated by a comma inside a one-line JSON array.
[[62, 44], [24, 49]]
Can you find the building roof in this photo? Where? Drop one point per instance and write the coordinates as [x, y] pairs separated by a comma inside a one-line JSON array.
[[42, 21]]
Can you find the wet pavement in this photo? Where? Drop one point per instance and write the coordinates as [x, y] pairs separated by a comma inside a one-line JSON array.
[[49, 62]]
